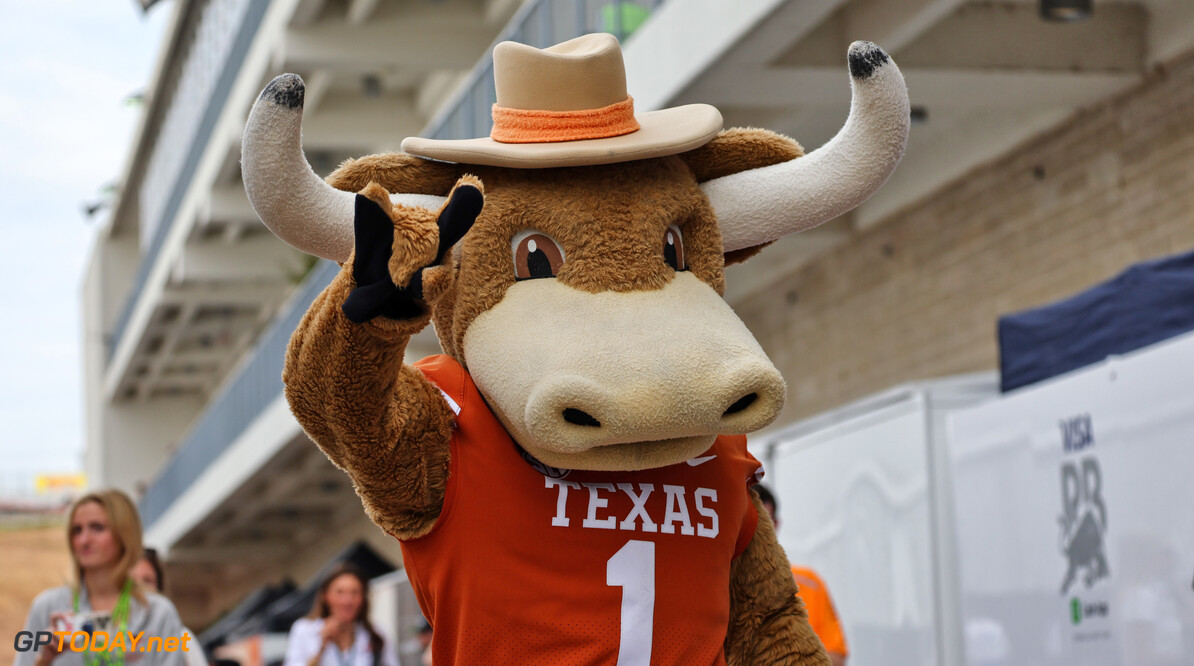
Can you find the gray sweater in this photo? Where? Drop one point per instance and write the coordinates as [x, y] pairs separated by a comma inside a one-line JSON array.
[[157, 617]]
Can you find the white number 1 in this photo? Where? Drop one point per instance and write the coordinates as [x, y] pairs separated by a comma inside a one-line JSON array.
[[633, 569]]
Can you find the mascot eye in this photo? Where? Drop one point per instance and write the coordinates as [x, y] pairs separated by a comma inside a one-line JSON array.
[[673, 248], [536, 256]]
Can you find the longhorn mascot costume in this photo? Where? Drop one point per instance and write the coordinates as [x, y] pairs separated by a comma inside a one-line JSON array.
[[569, 480]]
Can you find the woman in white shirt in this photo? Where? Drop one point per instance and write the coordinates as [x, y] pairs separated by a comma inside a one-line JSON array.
[[337, 632]]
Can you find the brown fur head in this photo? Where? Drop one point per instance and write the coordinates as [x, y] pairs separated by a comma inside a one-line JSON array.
[[610, 220]]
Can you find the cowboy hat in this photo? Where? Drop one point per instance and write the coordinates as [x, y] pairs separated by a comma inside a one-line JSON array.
[[566, 105]]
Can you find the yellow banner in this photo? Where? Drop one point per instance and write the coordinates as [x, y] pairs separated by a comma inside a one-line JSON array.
[[52, 483]]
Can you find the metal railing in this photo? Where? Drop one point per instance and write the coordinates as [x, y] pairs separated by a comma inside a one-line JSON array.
[[256, 384], [259, 379], [222, 37]]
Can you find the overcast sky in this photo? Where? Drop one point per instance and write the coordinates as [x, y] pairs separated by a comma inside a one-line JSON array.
[[66, 68]]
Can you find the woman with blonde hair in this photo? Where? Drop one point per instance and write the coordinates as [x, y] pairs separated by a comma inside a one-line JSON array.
[[337, 631], [104, 536]]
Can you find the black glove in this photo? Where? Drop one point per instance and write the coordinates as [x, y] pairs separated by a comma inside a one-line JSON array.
[[376, 294]]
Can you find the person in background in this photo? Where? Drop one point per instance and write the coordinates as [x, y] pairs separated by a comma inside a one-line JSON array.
[[104, 536], [822, 616], [148, 573], [337, 632]]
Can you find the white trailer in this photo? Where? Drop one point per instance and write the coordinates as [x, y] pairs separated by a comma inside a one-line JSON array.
[[1075, 507], [1052, 525], [859, 491]]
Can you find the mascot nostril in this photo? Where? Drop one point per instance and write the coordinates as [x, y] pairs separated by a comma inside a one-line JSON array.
[[741, 403], [580, 418], [604, 534]]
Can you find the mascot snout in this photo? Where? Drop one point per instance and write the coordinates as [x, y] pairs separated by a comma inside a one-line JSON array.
[[704, 374]]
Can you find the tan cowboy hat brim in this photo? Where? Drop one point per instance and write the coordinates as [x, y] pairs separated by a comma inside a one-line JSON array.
[[664, 132]]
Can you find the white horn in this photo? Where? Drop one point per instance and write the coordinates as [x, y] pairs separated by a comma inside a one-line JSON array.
[[295, 203], [765, 204]]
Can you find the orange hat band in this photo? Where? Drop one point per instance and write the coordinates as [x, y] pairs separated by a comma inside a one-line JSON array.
[[528, 126]]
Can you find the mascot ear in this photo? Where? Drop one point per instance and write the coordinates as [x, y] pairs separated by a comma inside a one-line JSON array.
[[740, 149], [736, 150], [396, 172]]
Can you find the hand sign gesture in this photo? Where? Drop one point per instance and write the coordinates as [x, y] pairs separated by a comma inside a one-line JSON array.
[[398, 261]]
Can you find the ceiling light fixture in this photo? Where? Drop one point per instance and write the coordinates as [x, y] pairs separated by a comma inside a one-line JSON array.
[[1066, 10], [371, 85]]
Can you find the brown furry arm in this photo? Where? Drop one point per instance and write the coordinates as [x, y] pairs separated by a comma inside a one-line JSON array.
[[768, 623], [380, 421]]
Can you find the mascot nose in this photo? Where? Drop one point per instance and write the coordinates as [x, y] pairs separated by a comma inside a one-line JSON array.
[[710, 399]]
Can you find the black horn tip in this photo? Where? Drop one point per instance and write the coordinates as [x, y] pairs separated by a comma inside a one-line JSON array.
[[865, 59], [286, 90]]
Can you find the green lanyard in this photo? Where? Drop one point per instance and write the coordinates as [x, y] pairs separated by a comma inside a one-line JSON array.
[[120, 621]]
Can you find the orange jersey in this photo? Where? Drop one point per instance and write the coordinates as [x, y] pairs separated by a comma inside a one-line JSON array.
[[529, 564], [821, 614]]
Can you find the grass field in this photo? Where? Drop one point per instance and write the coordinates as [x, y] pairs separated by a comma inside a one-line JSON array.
[[31, 560]]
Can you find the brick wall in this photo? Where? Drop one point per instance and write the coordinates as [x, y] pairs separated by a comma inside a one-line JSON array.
[[917, 296]]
